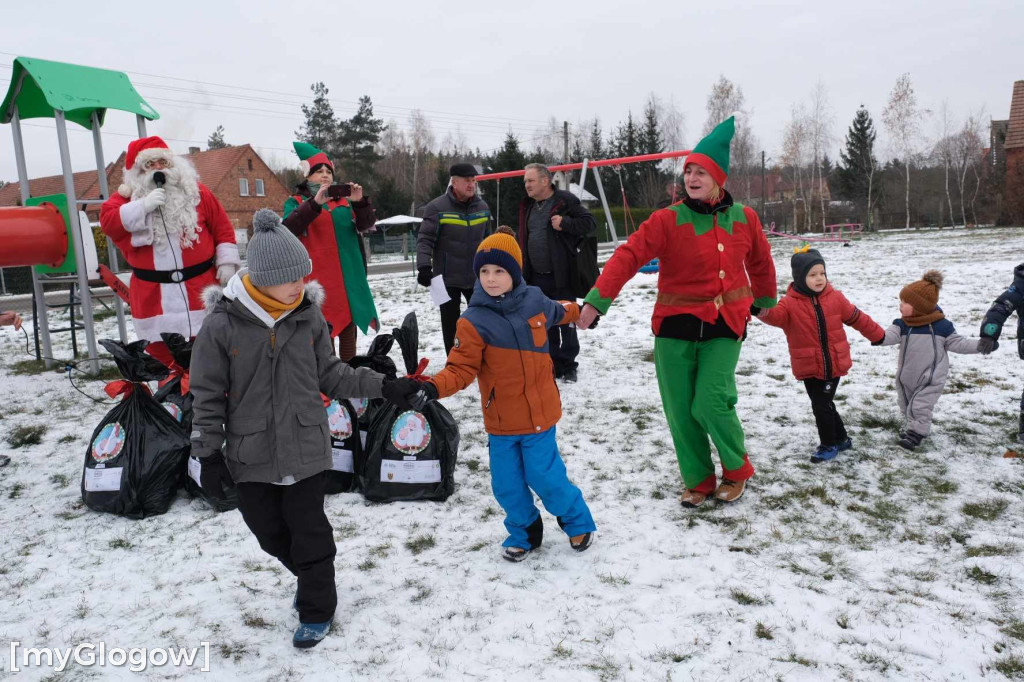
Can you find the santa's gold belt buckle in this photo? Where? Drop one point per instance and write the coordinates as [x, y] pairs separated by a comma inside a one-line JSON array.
[[718, 301]]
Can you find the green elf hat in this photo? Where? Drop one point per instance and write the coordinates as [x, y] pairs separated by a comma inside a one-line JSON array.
[[311, 157], [712, 153]]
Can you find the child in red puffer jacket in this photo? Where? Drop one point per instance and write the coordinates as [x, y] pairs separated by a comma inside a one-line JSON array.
[[812, 314]]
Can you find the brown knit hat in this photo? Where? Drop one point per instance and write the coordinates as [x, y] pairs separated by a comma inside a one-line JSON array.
[[923, 294]]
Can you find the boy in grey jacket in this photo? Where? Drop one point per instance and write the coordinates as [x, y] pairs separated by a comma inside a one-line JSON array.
[[925, 338], [259, 364]]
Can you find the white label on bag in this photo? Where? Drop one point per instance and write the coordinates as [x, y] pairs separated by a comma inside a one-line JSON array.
[[362, 438], [342, 460], [103, 480], [195, 469], [393, 471]]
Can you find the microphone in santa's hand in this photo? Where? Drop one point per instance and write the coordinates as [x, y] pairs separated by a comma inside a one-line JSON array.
[[159, 179]]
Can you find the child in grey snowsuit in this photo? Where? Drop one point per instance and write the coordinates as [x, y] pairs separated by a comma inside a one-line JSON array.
[[925, 338], [1008, 302], [260, 362]]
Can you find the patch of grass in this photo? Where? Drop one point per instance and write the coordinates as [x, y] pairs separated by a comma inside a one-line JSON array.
[[605, 668], [882, 510], [367, 565], [741, 597], [82, 609], [31, 367], [60, 480], [992, 550], [648, 356], [67, 438], [1014, 629], [843, 621], [987, 510], [26, 435], [1011, 666], [746, 371], [473, 464], [381, 551], [561, 651], [420, 543], [609, 579], [887, 422], [254, 620], [980, 575], [793, 658], [422, 593], [120, 543], [762, 631], [488, 512], [16, 491], [477, 546], [234, 650]]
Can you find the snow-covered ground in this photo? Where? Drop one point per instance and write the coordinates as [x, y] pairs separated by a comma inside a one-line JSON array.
[[883, 564]]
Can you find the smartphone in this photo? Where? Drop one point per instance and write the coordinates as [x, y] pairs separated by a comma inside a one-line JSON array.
[[339, 191]]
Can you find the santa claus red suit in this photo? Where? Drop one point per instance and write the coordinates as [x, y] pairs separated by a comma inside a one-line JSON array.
[[174, 234]]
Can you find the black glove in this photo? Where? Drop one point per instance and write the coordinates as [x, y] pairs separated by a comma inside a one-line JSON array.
[[214, 475], [987, 344], [425, 275], [427, 392], [400, 391]]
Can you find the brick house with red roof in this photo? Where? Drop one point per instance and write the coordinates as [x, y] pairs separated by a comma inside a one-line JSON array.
[[236, 175], [1013, 188]]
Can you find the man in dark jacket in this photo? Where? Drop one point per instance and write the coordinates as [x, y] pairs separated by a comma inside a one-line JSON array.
[[453, 226], [552, 226], [1007, 303]]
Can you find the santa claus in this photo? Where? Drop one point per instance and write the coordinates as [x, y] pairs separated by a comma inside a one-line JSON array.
[[174, 234]]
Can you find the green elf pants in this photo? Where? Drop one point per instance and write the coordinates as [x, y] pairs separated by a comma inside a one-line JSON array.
[[697, 380]]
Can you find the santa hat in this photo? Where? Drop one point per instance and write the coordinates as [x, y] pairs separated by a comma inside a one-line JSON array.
[[712, 153], [146, 149], [311, 157], [140, 152]]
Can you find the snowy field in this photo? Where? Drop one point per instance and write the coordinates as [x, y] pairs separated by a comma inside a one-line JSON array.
[[881, 565]]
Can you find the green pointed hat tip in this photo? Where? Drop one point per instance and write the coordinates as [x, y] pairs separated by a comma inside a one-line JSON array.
[[712, 152], [305, 150]]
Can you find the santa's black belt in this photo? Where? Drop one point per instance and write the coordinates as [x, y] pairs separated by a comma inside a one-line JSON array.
[[173, 276]]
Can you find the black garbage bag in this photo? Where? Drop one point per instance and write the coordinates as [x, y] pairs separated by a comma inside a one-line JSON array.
[[174, 394], [346, 447], [410, 454], [377, 359], [136, 454]]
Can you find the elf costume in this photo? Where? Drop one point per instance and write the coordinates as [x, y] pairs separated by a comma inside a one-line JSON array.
[[331, 235], [715, 262]]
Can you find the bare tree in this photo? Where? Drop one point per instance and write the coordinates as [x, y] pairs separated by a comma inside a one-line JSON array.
[[673, 132], [421, 137], [902, 118], [725, 100], [794, 155], [965, 154], [820, 121]]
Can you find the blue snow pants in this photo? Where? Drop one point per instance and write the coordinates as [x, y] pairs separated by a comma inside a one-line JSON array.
[[532, 461]]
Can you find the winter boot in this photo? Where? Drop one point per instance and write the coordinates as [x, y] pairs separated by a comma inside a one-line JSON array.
[[581, 543], [692, 498], [910, 439], [824, 453], [514, 554], [845, 445], [729, 490], [309, 634]]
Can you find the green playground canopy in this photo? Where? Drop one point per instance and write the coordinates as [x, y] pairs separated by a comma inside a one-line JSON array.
[[39, 87]]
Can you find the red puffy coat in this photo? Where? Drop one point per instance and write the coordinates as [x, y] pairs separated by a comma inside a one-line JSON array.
[[818, 348]]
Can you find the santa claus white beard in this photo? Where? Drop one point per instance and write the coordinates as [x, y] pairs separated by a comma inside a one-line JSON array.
[[179, 212]]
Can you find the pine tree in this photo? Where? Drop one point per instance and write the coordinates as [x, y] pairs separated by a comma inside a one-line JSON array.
[[626, 142], [596, 150], [855, 175], [356, 141], [651, 140], [509, 157], [321, 127], [216, 139]]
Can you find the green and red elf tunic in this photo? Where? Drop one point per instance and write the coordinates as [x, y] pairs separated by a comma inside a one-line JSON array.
[[331, 236], [715, 261]]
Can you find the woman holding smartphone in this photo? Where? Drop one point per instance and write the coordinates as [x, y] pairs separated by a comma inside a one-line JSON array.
[[328, 220]]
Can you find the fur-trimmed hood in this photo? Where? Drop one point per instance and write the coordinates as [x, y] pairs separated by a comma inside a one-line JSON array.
[[214, 294]]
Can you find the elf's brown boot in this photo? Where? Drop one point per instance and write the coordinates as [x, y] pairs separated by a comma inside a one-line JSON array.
[[730, 491], [692, 498]]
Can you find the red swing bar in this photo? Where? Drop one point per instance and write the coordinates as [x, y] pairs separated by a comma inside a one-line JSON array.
[[590, 164]]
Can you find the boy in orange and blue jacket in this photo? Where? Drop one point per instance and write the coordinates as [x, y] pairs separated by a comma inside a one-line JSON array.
[[502, 340]]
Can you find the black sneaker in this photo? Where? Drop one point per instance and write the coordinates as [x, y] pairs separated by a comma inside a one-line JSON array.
[[910, 439], [514, 554], [582, 542], [569, 376]]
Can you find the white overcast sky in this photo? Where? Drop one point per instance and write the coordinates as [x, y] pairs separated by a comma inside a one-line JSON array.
[[484, 66]]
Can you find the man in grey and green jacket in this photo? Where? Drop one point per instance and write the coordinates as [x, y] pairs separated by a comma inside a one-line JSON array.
[[453, 226]]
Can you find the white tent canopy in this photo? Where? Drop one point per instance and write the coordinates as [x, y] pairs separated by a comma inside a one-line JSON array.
[[398, 220]]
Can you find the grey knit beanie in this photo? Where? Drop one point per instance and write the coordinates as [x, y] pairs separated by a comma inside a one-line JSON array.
[[275, 255]]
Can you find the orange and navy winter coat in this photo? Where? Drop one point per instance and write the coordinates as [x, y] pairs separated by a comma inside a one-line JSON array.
[[503, 342], [712, 263], [818, 348]]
